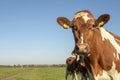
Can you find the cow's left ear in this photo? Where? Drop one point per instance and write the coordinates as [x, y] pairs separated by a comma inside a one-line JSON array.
[[64, 22], [102, 20]]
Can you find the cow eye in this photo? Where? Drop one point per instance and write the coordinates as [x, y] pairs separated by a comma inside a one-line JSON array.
[[75, 27]]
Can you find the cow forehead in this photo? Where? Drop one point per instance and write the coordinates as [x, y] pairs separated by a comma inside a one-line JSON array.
[[84, 15]]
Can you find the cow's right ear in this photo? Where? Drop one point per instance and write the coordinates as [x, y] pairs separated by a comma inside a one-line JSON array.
[[102, 20], [64, 22]]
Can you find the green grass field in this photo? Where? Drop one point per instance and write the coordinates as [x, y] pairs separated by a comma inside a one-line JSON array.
[[41, 73]]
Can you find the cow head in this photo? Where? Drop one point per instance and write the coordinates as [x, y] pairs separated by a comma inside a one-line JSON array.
[[70, 60], [82, 26]]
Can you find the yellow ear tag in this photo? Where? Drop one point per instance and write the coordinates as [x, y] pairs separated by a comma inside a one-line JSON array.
[[101, 24], [65, 26]]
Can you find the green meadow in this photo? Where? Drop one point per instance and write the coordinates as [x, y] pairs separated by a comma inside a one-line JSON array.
[[40, 73]]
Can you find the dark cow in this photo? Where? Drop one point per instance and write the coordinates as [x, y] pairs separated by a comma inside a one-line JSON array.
[[72, 68], [81, 66], [99, 45]]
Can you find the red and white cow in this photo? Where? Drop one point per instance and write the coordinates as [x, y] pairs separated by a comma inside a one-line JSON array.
[[99, 45]]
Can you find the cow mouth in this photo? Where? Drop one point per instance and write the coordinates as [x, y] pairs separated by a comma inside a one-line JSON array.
[[75, 52], [81, 49], [82, 52]]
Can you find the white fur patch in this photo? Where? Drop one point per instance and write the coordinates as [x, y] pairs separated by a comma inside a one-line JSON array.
[[83, 15], [114, 73], [81, 38], [104, 76], [109, 75], [76, 78], [108, 36], [78, 57], [116, 55]]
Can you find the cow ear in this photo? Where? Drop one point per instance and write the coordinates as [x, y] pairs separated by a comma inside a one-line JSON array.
[[102, 20], [64, 22]]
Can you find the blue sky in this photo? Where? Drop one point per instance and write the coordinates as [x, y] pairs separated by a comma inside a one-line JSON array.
[[29, 33]]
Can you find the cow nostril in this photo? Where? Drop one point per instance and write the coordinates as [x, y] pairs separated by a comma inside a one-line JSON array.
[[86, 47], [77, 48]]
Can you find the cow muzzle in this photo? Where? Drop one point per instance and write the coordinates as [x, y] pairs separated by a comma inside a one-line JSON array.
[[82, 49]]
